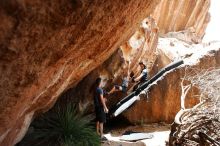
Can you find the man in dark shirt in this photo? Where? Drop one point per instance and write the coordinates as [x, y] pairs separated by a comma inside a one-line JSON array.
[[100, 107]]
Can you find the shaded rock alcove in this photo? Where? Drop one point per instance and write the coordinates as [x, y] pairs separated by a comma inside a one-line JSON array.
[[47, 47]]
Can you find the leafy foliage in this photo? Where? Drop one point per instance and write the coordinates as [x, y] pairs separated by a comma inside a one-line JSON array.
[[65, 126]]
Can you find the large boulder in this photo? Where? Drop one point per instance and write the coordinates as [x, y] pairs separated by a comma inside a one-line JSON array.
[[163, 99], [48, 46], [140, 47]]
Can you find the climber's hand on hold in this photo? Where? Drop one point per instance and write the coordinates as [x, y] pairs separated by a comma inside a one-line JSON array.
[[133, 80]]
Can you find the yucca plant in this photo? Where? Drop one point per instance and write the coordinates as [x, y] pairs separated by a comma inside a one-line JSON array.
[[64, 127]]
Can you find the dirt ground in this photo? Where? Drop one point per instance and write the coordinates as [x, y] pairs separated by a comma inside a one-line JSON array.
[[157, 127]]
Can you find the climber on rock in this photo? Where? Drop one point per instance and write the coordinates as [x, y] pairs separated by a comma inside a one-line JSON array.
[[142, 77], [126, 78], [100, 106]]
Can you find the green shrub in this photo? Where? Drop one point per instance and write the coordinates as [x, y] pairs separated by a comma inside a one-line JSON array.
[[64, 127]]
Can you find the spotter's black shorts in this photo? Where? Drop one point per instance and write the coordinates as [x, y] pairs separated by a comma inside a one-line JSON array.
[[100, 114]]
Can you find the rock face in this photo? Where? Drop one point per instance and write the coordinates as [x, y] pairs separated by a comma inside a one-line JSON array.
[[163, 100], [140, 47], [111, 73], [48, 46], [172, 15]]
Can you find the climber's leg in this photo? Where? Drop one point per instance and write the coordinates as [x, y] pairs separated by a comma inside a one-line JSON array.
[[101, 129], [115, 88], [136, 86], [98, 128]]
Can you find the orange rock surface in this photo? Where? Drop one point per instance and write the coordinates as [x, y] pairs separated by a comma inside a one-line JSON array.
[[48, 46], [182, 15], [163, 100]]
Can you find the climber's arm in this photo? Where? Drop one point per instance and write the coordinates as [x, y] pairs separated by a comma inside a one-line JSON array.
[[103, 103], [138, 78]]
